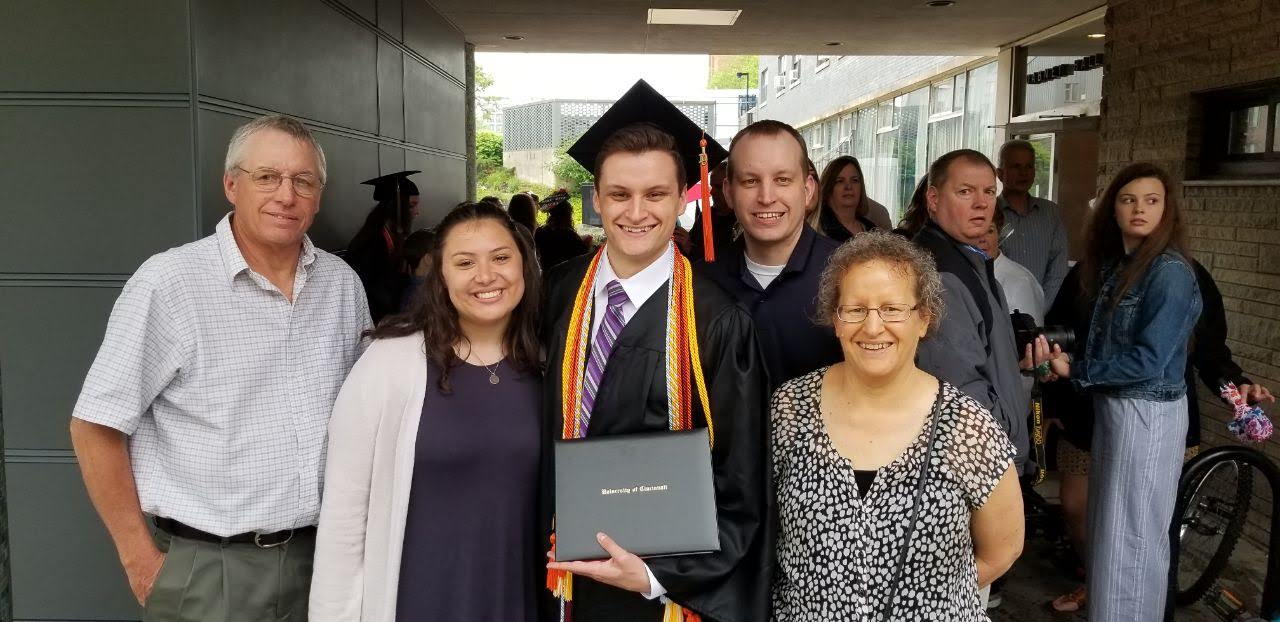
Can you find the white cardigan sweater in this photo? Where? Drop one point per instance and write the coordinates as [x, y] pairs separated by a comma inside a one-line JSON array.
[[372, 438]]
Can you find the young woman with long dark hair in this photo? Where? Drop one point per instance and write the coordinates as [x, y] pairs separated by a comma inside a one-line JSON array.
[[430, 502], [1133, 364]]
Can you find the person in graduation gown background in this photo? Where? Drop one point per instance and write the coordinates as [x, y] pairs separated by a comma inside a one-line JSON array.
[[374, 252], [639, 151]]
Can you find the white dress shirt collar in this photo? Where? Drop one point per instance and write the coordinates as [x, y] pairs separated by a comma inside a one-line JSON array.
[[639, 286]]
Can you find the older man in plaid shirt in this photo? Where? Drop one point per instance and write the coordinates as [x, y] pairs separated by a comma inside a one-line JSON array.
[[208, 403]]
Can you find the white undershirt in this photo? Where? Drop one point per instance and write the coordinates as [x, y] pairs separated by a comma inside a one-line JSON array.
[[764, 274]]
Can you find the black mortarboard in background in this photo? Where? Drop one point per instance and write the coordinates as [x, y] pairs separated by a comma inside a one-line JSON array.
[[385, 187], [640, 104]]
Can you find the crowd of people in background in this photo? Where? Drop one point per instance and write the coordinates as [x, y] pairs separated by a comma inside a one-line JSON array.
[[371, 440]]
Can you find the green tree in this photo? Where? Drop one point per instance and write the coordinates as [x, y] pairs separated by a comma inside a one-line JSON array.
[[488, 149], [486, 103], [727, 76], [568, 172]]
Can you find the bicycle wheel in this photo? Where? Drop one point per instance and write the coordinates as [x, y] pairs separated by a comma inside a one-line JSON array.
[[1217, 507]]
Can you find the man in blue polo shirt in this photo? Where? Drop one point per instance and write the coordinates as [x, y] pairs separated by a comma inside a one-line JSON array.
[[774, 266]]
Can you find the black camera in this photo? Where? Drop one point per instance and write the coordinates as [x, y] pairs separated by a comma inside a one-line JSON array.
[[1025, 332]]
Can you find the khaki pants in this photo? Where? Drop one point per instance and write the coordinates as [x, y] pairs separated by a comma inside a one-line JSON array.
[[208, 582]]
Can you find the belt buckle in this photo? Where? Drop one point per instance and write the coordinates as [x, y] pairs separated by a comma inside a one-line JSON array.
[[257, 541]]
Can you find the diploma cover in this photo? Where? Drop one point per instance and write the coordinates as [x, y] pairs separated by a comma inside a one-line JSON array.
[[652, 493]]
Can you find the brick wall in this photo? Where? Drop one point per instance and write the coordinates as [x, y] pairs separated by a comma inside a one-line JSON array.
[[1160, 52]]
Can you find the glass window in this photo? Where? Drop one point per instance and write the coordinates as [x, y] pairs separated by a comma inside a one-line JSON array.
[[846, 134], [885, 115], [945, 135], [864, 136], [1248, 133], [781, 78], [980, 110], [823, 61], [941, 97], [1043, 145], [913, 147], [795, 69], [1059, 83]]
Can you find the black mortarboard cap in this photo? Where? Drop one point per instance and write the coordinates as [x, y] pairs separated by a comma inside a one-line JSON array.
[[385, 187], [644, 104]]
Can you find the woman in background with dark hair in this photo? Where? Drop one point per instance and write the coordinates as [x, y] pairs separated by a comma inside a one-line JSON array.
[[431, 507], [558, 240], [916, 215], [1133, 364], [523, 209], [844, 209], [416, 254]]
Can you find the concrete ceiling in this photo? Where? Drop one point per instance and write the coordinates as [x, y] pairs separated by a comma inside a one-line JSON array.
[[861, 27]]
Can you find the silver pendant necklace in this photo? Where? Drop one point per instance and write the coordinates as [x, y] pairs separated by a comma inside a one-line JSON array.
[[493, 372]]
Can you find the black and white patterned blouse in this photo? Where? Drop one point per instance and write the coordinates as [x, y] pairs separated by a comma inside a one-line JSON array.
[[837, 551]]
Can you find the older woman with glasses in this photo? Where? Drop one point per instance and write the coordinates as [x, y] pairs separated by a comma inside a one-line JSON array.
[[896, 492]]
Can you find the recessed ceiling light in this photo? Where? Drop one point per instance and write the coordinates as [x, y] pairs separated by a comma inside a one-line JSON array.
[[1097, 35], [694, 17], [514, 38], [833, 43], [940, 3]]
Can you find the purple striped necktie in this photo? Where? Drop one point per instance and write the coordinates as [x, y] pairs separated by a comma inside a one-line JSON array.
[[601, 348]]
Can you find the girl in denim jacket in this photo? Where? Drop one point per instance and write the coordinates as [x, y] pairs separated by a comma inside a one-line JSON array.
[[1133, 365]]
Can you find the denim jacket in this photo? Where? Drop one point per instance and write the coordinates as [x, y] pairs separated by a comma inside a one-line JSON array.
[[1139, 349]]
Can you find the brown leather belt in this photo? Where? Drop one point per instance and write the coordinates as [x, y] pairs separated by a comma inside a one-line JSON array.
[[261, 540]]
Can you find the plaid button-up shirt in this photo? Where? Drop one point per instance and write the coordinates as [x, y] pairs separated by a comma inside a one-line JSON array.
[[225, 387]]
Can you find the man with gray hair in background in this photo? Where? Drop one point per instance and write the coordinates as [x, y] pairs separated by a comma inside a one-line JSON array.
[[208, 404], [1037, 239]]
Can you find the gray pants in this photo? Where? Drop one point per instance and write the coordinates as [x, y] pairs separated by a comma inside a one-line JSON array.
[[208, 582], [1133, 484]]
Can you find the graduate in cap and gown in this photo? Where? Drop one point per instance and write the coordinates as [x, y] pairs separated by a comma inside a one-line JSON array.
[[374, 252], [630, 321], [558, 240]]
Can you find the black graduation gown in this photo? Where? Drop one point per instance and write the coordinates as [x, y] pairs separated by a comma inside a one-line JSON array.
[[375, 264], [733, 584]]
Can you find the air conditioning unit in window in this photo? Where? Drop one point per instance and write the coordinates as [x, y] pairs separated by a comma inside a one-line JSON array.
[[780, 82]]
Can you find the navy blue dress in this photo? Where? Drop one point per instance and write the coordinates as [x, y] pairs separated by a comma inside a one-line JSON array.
[[470, 541]]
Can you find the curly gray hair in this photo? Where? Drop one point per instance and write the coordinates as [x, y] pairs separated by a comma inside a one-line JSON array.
[[895, 250]]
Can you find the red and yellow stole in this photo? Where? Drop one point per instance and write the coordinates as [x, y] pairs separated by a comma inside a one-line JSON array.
[[683, 376]]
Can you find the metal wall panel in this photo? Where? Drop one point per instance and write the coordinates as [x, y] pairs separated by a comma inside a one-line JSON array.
[[300, 57], [64, 565], [433, 110], [125, 46], [391, 18], [365, 8], [93, 190], [442, 182], [429, 34], [390, 90], [50, 335]]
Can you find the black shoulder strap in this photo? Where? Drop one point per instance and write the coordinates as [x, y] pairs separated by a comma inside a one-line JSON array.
[[915, 508], [952, 260]]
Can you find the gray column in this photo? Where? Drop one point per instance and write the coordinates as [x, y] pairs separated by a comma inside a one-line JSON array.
[[6, 589], [470, 123]]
